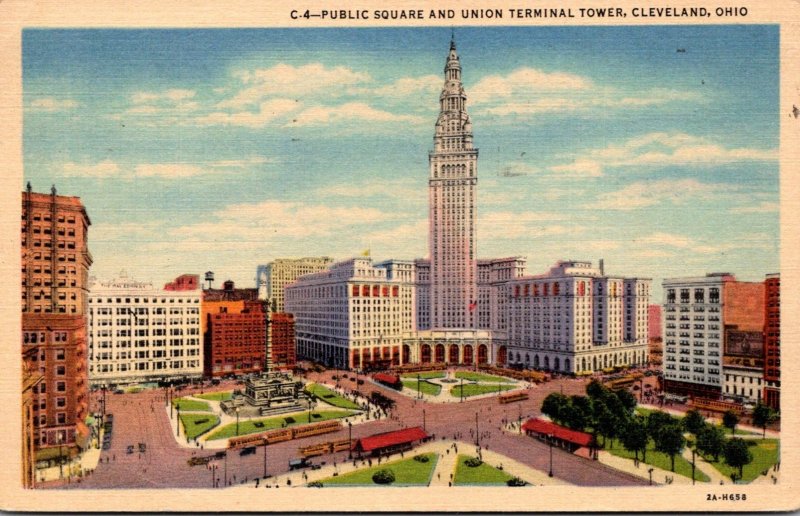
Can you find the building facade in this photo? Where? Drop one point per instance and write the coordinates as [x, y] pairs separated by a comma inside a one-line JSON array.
[[31, 378], [55, 271], [452, 194], [354, 314], [138, 333], [272, 279], [772, 341], [184, 282], [281, 346], [575, 319], [699, 313]]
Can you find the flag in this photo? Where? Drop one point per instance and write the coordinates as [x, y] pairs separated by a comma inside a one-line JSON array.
[[473, 306], [365, 252]]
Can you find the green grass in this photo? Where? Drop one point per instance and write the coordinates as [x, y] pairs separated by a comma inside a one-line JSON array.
[[765, 454], [331, 397], [216, 396], [191, 405], [248, 426], [194, 429], [474, 389], [480, 377], [424, 375], [428, 388], [739, 431], [660, 460], [483, 474], [406, 472]]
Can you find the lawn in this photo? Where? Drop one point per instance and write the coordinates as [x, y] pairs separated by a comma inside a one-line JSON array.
[[252, 426], [330, 397], [424, 375], [765, 454], [191, 405], [480, 377], [406, 472], [660, 460], [431, 389], [739, 432], [483, 474], [198, 424], [474, 389], [216, 396]]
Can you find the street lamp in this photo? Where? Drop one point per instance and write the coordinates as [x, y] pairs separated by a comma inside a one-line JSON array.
[[178, 420], [462, 390], [350, 439], [59, 438], [237, 421], [477, 435], [265, 458], [419, 387], [550, 441], [693, 453], [424, 427], [519, 421], [650, 471]]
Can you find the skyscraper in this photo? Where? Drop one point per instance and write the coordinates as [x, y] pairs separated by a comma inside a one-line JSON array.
[[452, 194]]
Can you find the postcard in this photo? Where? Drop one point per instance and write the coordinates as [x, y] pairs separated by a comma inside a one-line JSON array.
[[420, 256]]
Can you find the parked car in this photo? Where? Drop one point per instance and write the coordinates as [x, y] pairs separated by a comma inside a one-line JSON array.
[[142, 447], [130, 449], [247, 451]]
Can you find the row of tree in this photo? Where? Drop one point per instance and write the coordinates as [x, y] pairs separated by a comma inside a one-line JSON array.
[[609, 414]]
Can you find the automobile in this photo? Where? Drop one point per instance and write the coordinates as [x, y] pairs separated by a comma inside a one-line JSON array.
[[130, 449], [106, 445], [119, 391], [299, 463], [316, 466], [142, 447], [109, 417], [215, 381], [247, 451]]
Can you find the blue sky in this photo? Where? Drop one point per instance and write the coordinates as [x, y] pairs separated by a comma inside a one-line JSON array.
[[199, 150]]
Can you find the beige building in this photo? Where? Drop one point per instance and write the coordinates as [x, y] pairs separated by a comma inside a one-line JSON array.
[[272, 279]]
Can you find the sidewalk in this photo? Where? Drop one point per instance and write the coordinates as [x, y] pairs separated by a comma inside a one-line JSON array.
[[444, 395]]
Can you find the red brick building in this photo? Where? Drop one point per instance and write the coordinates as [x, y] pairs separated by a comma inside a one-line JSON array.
[[235, 331], [184, 282], [282, 347], [772, 340], [55, 271]]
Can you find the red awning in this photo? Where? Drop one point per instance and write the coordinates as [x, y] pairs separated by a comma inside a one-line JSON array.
[[542, 427], [386, 439], [391, 379]]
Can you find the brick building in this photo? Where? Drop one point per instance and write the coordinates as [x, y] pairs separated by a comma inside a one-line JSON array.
[[184, 282], [234, 331], [55, 271], [281, 350], [31, 378], [772, 340]]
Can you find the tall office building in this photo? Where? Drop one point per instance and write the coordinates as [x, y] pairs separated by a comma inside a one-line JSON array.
[[138, 333], [55, 272], [772, 341], [452, 191], [272, 278]]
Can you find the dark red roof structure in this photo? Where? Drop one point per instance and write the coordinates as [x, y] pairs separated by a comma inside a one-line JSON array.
[[388, 379], [389, 439], [542, 427]]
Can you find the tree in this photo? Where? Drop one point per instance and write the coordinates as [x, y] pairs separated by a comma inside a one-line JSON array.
[[634, 437], [693, 421], [737, 454], [607, 424], [763, 415], [657, 420], [553, 406], [730, 420], [711, 441], [596, 390], [576, 414], [627, 399], [669, 440]]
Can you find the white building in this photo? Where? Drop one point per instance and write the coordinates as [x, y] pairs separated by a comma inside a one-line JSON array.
[[574, 319], [138, 333], [353, 314], [272, 279], [743, 383]]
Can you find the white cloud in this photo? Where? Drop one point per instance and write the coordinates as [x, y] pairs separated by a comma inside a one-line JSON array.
[[168, 170], [349, 112], [530, 225], [99, 170], [649, 193], [268, 111], [296, 81], [404, 87], [660, 150], [764, 207], [660, 244], [173, 96], [523, 81], [52, 104]]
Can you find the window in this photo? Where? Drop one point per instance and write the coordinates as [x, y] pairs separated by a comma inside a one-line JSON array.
[[61, 370], [61, 386]]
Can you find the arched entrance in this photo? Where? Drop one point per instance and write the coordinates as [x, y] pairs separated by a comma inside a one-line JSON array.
[[557, 364], [426, 354], [502, 355], [356, 359], [467, 355], [536, 361], [483, 354], [439, 354], [452, 356], [406, 353], [547, 362], [567, 365]]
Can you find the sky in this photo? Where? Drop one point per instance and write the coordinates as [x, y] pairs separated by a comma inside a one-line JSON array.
[[655, 148]]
